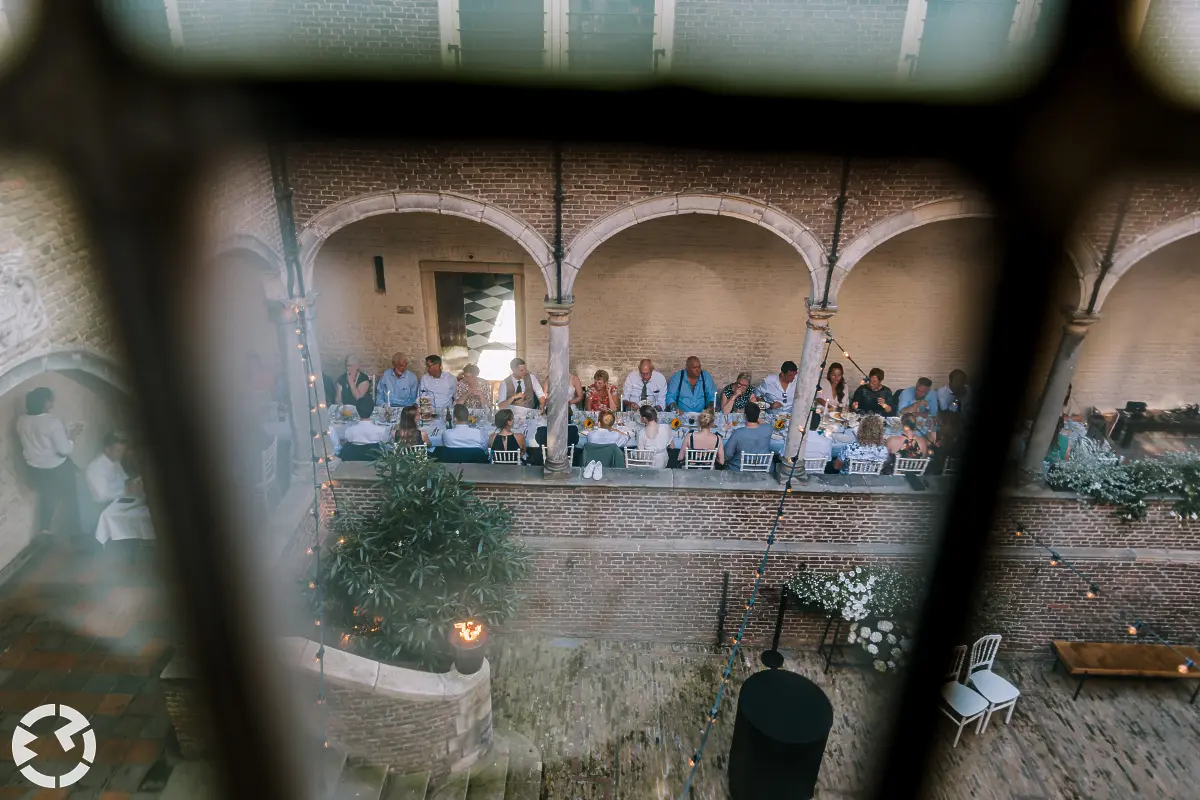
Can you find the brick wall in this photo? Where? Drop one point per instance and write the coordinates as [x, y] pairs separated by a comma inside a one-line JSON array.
[[648, 563], [835, 39], [1169, 41], [238, 198], [303, 34]]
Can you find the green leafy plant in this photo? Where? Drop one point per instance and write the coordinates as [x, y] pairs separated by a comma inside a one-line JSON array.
[[1127, 487], [430, 553]]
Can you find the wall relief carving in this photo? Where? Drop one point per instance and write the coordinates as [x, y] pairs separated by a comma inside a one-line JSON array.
[[22, 314]]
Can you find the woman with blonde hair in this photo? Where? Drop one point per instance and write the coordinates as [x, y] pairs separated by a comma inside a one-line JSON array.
[[869, 447], [705, 438], [735, 396], [602, 395]]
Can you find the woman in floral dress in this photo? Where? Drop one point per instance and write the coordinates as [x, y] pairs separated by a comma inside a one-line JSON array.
[[602, 395], [471, 391]]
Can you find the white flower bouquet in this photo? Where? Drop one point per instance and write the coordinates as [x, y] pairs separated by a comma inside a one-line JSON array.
[[884, 641], [857, 593]]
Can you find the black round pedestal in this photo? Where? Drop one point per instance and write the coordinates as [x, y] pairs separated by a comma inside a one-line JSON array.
[[783, 722]]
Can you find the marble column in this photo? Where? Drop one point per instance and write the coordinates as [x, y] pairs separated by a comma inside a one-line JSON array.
[[558, 391], [296, 379], [816, 332], [1050, 404]]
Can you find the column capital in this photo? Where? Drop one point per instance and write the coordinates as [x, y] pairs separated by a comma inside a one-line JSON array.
[[1078, 322], [559, 312], [817, 313]]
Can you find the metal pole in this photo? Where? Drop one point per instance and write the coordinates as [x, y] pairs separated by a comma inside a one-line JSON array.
[[773, 658], [721, 611], [837, 230]]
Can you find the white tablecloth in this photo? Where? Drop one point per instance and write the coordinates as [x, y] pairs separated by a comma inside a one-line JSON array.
[[125, 521]]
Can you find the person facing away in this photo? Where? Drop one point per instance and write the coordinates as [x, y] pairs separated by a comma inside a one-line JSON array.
[[646, 386], [921, 401], [705, 438], [869, 447], [521, 388], [408, 431], [817, 444], [655, 436], [462, 434], [955, 396], [779, 390], [47, 445], [436, 384], [872, 397], [106, 478], [692, 389], [534, 454], [504, 438], [397, 386], [754, 438], [605, 433], [910, 443]]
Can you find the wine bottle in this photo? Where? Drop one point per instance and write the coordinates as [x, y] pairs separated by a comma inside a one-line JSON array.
[[449, 419]]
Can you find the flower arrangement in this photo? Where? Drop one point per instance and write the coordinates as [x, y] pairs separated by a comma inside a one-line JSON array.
[[1100, 480], [857, 593], [588, 423], [348, 412], [471, 420], [780, 423], [676, 423], [884, 642]]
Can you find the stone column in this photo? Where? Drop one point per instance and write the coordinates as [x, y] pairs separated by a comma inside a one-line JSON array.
[[816, 332], [284, 317], [558, 391], [1050, 404]]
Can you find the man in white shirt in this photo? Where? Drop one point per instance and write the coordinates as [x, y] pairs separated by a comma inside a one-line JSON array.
[[462, 434], [521, 388], [778, 390], [46, 444], [365, 432], [437, 385], [106, 477], [646, 386]]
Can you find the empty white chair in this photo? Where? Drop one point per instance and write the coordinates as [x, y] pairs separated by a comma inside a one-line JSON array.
[[506, 456], [916, 466], [699, 459], [640, 458], [570, 454], [950, 467], [414, 449], [999, 693], [267, 490], [962, 704], [815, 465], [866, 467], [756, 462]]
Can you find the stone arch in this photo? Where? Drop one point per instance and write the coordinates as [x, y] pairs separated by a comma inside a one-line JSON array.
[[1143, 246], [268, 262], [335, 217], [76, 359], [787, 228], [1081, 255]]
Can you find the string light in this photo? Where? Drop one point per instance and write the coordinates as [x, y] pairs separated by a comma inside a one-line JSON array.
[[1185, 666], [1093, 592], [1054, 559], [1134, 628]]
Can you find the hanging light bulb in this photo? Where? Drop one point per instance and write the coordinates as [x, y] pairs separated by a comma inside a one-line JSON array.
[[1019, 531], [1134, 628], [1183, 668], [1093, 592], [1054, 559]]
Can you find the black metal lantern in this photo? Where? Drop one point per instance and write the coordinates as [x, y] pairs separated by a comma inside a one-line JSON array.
[[468, 639]]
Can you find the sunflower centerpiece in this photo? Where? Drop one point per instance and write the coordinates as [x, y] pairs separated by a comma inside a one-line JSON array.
[[676, 423], [588, 423]]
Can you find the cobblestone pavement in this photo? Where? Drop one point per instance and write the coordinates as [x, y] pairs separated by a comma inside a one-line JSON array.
[[87, 628], [619, 720]]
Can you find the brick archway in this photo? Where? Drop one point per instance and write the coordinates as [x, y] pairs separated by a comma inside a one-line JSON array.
[[1082, 256], [1142, 247], [787, 228], [314, 232], [268, 263], [76, 359]]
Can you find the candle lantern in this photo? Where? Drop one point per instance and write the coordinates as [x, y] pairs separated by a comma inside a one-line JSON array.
[[468, 639]]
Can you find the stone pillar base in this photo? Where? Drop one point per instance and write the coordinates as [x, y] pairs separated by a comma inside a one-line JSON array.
[[556, 474]]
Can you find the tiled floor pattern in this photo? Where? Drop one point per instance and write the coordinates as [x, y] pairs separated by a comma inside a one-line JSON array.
[[87, 628], [618, 720]]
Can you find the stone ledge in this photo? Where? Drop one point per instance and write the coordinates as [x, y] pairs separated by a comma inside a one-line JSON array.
[[350, 669]]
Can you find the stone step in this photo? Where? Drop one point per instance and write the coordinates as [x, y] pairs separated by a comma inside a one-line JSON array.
[[524, 780], [452, 787], [488, 775], [327, 770], [360, 782], [412, 786]]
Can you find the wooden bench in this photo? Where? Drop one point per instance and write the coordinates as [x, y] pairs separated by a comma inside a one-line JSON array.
[[1125, 660]]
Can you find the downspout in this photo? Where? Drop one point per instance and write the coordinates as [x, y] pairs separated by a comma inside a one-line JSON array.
[[837, 230], [1107, 261], [287, 223], [558, 223]]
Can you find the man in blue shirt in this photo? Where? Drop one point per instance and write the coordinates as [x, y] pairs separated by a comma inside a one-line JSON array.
[[397, 386], [920, 401], [691, 389]]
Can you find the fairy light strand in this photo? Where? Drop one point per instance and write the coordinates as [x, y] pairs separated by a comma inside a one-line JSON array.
[[1134, 628], [711, 718]]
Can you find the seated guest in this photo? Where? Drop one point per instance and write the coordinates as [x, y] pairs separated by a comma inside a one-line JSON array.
[[654, 436], [437, 385], [504, 439], [534, 455], [736, 395], [779, 390], [397, 386], [472, 392], [753, 438], [920, 401], [872, 397], [956, 394], [818, 445], [705, 438], [462, 434], [832, 396], [360, 442], [691, 389], [576, 391], [646, 386], [869, 447], [910, 443], [601, 395], [106, 478], [521, 388], [947, 441], [353, 388], [605, 434], [408, 433]]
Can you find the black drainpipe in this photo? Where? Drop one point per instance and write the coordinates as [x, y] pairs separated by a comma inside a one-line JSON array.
[[837, 229], [558, 211], [1107, 261], [287, 223]]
